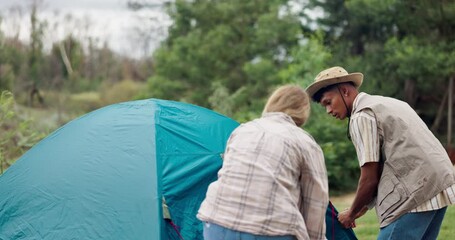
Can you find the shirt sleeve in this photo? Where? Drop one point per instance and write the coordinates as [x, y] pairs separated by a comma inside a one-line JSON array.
[[365, 136], [229, 141]]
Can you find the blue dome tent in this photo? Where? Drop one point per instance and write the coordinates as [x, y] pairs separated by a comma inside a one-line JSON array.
[[134, 170]]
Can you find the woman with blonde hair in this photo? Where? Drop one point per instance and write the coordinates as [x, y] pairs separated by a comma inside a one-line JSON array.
[[273, 182]]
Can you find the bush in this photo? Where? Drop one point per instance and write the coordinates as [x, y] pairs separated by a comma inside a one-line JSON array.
[[16, 134], [84, 102], [339, 153], [125, 90], [6, 77]]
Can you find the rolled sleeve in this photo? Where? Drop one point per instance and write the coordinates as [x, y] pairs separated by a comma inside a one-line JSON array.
[[365, 136]]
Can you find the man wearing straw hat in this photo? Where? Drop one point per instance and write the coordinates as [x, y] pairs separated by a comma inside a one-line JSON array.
[[404, 170]]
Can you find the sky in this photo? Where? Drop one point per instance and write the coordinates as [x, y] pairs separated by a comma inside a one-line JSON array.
[[127, 32], [132, 33]]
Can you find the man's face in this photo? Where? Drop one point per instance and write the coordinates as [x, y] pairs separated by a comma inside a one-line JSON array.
[[334, 104]]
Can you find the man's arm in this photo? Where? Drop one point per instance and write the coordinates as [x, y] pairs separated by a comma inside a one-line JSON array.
[[366, 191]]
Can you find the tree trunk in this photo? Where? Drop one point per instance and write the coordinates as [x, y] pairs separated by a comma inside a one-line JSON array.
[[65, 59], [440, 114], [410, 95], [35, 92]]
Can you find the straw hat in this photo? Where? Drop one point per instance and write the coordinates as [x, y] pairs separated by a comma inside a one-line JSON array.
[[333, 76]]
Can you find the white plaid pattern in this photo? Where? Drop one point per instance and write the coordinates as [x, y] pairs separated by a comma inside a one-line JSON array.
[[273, 181]]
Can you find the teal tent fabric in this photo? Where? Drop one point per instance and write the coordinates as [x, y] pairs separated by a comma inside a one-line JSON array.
[[105, 175], [334, 229]]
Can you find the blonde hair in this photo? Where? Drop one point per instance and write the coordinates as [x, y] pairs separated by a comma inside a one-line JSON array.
[[292, 100]]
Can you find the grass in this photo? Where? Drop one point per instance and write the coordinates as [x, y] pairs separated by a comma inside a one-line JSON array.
[[368, 226]]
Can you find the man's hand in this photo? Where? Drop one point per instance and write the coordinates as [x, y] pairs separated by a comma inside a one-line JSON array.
[[346, 219], [366, 191]]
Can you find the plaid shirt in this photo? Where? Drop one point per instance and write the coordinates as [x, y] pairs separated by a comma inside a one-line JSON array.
[[273, 181], [366, 139]]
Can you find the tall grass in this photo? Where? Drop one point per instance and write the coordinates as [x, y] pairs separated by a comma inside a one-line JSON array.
[[368, 226]]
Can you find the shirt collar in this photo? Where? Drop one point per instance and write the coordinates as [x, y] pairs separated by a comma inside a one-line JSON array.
[[356, 101], [278, 116]]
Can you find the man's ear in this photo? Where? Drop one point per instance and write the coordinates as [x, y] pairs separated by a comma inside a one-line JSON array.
[[346, 89]]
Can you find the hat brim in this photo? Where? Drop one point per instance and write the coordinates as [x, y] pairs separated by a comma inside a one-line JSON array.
[[356, 78]]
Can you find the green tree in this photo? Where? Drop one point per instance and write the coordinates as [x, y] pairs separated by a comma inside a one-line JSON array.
[[307, 60], [68, 63], [339, 153], [10, 63], [35, 58], [404, 47], [231, 49]]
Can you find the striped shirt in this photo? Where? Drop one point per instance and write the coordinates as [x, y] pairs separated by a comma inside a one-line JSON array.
[[367, 142], [273, 181]]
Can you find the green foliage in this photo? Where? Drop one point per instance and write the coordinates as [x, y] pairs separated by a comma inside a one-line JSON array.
[[30, 72], [218, 48], [35, 60], [6, 77], [230, 55], [68, 63], [81, 84], [340, 158], [339, 153], [404, 48], [424, 64], [307, 59], [14, 57], [123, 91], [84, 101], [447, 231], [221, 100], [108, 93], [8, 64], [163, 88], [16, 134], [75, 54]]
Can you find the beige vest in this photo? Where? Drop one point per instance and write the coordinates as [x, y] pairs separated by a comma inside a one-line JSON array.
[[415, 165]]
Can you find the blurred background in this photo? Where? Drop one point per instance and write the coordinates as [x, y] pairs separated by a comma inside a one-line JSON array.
[[61, 59]]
